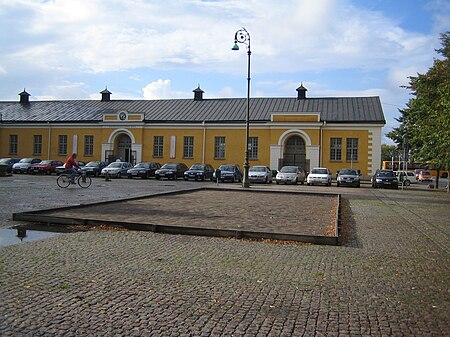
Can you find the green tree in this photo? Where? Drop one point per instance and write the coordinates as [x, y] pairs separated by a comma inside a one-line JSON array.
[[425, 122], [389, 151]]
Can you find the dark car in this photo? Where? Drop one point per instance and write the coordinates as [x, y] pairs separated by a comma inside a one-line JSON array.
[[144, 170], [199, 172], [9, 162], [385, 179], [24, 165], [171, 171], [348, 177], [94, 168], [230, 172], [46, 166]]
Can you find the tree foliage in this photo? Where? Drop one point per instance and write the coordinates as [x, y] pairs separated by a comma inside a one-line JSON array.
[[425, 122]]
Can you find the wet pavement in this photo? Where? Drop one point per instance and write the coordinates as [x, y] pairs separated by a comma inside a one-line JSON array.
[[390, 278]]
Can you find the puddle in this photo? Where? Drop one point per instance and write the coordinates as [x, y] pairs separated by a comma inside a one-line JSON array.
[[13, 236], [21, 233]]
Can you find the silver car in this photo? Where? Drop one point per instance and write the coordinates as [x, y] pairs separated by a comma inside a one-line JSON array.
[[260, 174], [290, 175], [348, 177], [116, 169]]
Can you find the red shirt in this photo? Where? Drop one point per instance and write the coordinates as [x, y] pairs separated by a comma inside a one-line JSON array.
[[71, 162]]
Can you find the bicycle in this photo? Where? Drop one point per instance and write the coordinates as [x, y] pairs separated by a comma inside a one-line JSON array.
[[81, 178]]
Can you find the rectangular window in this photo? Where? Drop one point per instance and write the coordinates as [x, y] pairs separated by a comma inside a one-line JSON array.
[[88, 145], [37, 145], [62, 145], [219, 148], [253, 148], [13, 141], [352, 149], [188, 147], [158, 143], [336, 149]]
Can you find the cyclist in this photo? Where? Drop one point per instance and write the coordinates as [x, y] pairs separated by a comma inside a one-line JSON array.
[[70, 164]]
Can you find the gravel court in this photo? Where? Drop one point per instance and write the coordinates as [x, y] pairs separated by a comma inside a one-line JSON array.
[[390, 279]]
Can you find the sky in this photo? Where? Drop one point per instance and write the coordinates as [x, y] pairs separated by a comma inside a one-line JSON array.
[[152, 49]]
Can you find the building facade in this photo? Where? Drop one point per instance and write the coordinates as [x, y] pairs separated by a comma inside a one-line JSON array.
[[308, 132]]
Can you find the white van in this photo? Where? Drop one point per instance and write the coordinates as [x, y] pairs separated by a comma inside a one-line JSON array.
[[406, 178]]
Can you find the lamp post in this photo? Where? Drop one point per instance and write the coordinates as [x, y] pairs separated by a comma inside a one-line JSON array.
[[242, 36]]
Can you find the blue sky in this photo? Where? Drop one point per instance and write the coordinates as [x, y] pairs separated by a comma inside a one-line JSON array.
[[73, 49]]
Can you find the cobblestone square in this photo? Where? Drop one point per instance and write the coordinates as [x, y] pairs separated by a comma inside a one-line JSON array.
[[390, 278]]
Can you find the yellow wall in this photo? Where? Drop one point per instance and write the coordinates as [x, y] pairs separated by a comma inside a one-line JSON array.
[[360, 164], [234, 150]]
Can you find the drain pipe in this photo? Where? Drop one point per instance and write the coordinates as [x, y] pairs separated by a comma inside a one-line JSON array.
[[204, 140], [49, 140], [321, 143]]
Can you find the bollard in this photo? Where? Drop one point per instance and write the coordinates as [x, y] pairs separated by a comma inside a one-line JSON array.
[[107, 176]]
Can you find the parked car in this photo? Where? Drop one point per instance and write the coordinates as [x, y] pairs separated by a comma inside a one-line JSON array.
[[171, 171], [348, 177], [24, 165], [116, 169], [406, 178], [143, 170], [9, 162], [319, 176], [61, 169], [290, 175], [94, 168], [46, 166], [384, 179], [260, 174], [199, 172], [425, 175], [229, 172]]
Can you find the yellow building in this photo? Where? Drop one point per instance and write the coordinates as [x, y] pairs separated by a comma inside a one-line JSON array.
[[333, 132]]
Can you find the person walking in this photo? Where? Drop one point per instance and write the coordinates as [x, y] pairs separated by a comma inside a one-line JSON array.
[[70, 164]]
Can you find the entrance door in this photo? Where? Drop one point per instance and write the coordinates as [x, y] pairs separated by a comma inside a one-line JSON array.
[[295, 152], [124, 148]]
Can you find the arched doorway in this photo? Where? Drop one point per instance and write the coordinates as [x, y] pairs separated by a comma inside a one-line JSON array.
[[295, 152], [123, 148]]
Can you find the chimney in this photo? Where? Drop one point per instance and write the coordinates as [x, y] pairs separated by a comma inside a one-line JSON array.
[[24, 97], [106, 95], [198, 94], [301, 92]]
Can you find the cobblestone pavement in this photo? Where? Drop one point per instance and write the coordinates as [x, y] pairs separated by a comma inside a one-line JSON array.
[[389, 279]]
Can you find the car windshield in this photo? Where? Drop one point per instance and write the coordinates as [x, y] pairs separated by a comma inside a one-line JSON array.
[[5, 160], [26, 160], [348, 172], [169, 166], [93, 164], [319, 171], [141, 165], [289, 169], [197, 167], [386, 174], [425, 173], [226, 167], [45, 162], [258, 169], [115, 165]]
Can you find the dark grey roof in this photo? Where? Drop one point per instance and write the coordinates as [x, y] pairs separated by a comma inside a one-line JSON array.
[[333, 109]]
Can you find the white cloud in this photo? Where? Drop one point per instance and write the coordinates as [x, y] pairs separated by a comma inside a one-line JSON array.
[[162, 89]]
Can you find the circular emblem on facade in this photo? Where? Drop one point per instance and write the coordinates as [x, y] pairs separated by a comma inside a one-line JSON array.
[[122, 116]]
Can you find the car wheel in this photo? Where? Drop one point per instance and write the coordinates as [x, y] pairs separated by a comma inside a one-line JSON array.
[[157, 177], [119, 175], [277, 182], [130, 176]]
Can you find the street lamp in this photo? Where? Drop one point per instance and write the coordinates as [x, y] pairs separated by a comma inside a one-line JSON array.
[[242, 36]]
